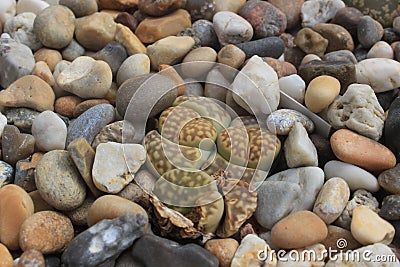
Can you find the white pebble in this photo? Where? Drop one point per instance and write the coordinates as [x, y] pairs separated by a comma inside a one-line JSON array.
[[294, 86], [7, 10], [50, 131], [381, 50]]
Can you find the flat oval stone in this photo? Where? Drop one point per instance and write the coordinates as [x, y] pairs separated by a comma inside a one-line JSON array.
[[50, 131], [282, 121], [369, 31], [332, 200], [59, 182], [46, 231], [362, 151], [90, 123], [15, 207], [265, 47], [232, 28], [390, 208], [299, 229], [390, 180], [355, 177], [321, 92]]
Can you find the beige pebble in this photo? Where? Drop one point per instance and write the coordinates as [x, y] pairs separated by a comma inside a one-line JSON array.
[[311, 42], [15, 206], [199, 61], [225, 5], [308, 58], [50, 56], [332, 200], [232, 56], [321, 92], [129, 40], [356, 149], [368, 228], [43, 71], [223, 249], [381, 49], [6, 259]]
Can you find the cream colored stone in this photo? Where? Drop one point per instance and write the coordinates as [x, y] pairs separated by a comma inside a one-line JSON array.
[[229, 5], [43, 71], [321, 92], [133, 66], [381, 49], [129, 40], [198, 62], [294, 86], [368, 228]]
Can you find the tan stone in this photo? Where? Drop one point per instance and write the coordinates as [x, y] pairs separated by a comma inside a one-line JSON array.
[[50, 56], [308, 58], [338, 37], [282, 68], [368, 228], [129, 40], [223, 249], [118, 4], [111, 95], [299, 229], [30, 92], [229, 5], [356, 149], [232, 56], [38, 202], [65, 105], [311, 42], [151, 30], [171, 73], [15, 206], [47, 232], [6, 259], [95, 31], [199, 62], [110, 207], [321, 92], [43, 71]]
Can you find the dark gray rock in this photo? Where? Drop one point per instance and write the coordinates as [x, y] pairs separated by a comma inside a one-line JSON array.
[[390, 208], [266, 47], [103, 242], [204, 30], [294, 55], [73, 50], [369, 31], [360, 53], [114, 54], [340, 56], [392, 127], [25, 177], [386, 98], [151, 250], [348, 17], [200, 9], [390, 36], [324, 149], [21, 117], [52, 261], [90, 123], [6, 173]]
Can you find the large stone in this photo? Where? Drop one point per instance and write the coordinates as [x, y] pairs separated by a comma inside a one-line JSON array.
[[232, 28], [369, 31], [338, 37]]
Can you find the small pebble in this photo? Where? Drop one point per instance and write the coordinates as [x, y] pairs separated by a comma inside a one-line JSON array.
[[38, 202], [6, 260], [369, 31], [87, 104], [223, 249], [291, 9], [25, 172], [43, 71], [199, 61], [232, 56], [65, 105], [81, 8], [16, 146], [311, 42], [338, 37], [129, 40], [308, 58], [282, 68], [79, 215], [232, 28], [133, 66], [294, 86], [205, 32], [348, 17], [6, 174], [317, 11], [321, 92], [381, 49], [282, 121], [127, 20], [390, 180], [73, 51], [248, 250], [340, 55], [390, 208], [31, 258]]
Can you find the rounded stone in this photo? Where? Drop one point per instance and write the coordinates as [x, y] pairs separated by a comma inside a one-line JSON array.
[[232, 56], [81, 8], [340, 55], [319, 11], [46, 231], [311, 42], [390, 180], [86, 105], [204, 31], [113, 54], [299, 229], [34, 6], [356, 149], [65, 105], [55, 26], [266, 47], [31, 258], [201, 60], [336, 233], [381, 49], [133, 66], [348, 17], [43, 71], [266, 19], [21, 117], [282, 68], [369, 31], [223, 249], [338, 37], [51, 56], [321, 92], [232, 28], [127, 20], [282, 121], [73, 50], [6, 260], [79, 215], [291, 9], [95, 31], [59, 182], [111, 207], [6, 174], [86, 78], [294, 86], [15, 207], [50, 131]]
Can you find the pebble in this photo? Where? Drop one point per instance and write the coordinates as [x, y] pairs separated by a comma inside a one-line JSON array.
[[392, 125], [232, 28], [46, 231], [343, 71], [390, 208], [336, 233], [87, 104], [133, 66], [262, 98], [127, 20], [319, 11], [50, 131], [389, 36], [216, 84], [151, 250], [115, 165], [299, 229], [31, 258], [158, 9], [21, 117], [90, 123], [16, 61], [204, 31], [111, 207], [193, 88], [294, 86], [332, 199], [59, 182], [43, 71], [6, 260], [369, 31], [348, 17], [266, 19], [34, 6], [20, 29], [6, 174], [368, 228], [113, 54], [81, 8], [321, 92], [169, 50], [234, 6], [95, 31], [38, 202], [308, 58], [223, 249], [381, 49], [338, 37], [299, 150], [65, 105], [282, 68], [25, 172], [380, 73], [265, 47], [359, 110], [15, 206], [390, 180], [291, 9], [129, 40], [340, 55], [356, 149], [55, 26], [112, 133], [198, 62], [16, 146], [247, 252], [7, 10], [104, 240], [73, 51], [282, 121], [311, 42], [201, 9], [51, 56], [231, 56], [171, 72], [151, 29]]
